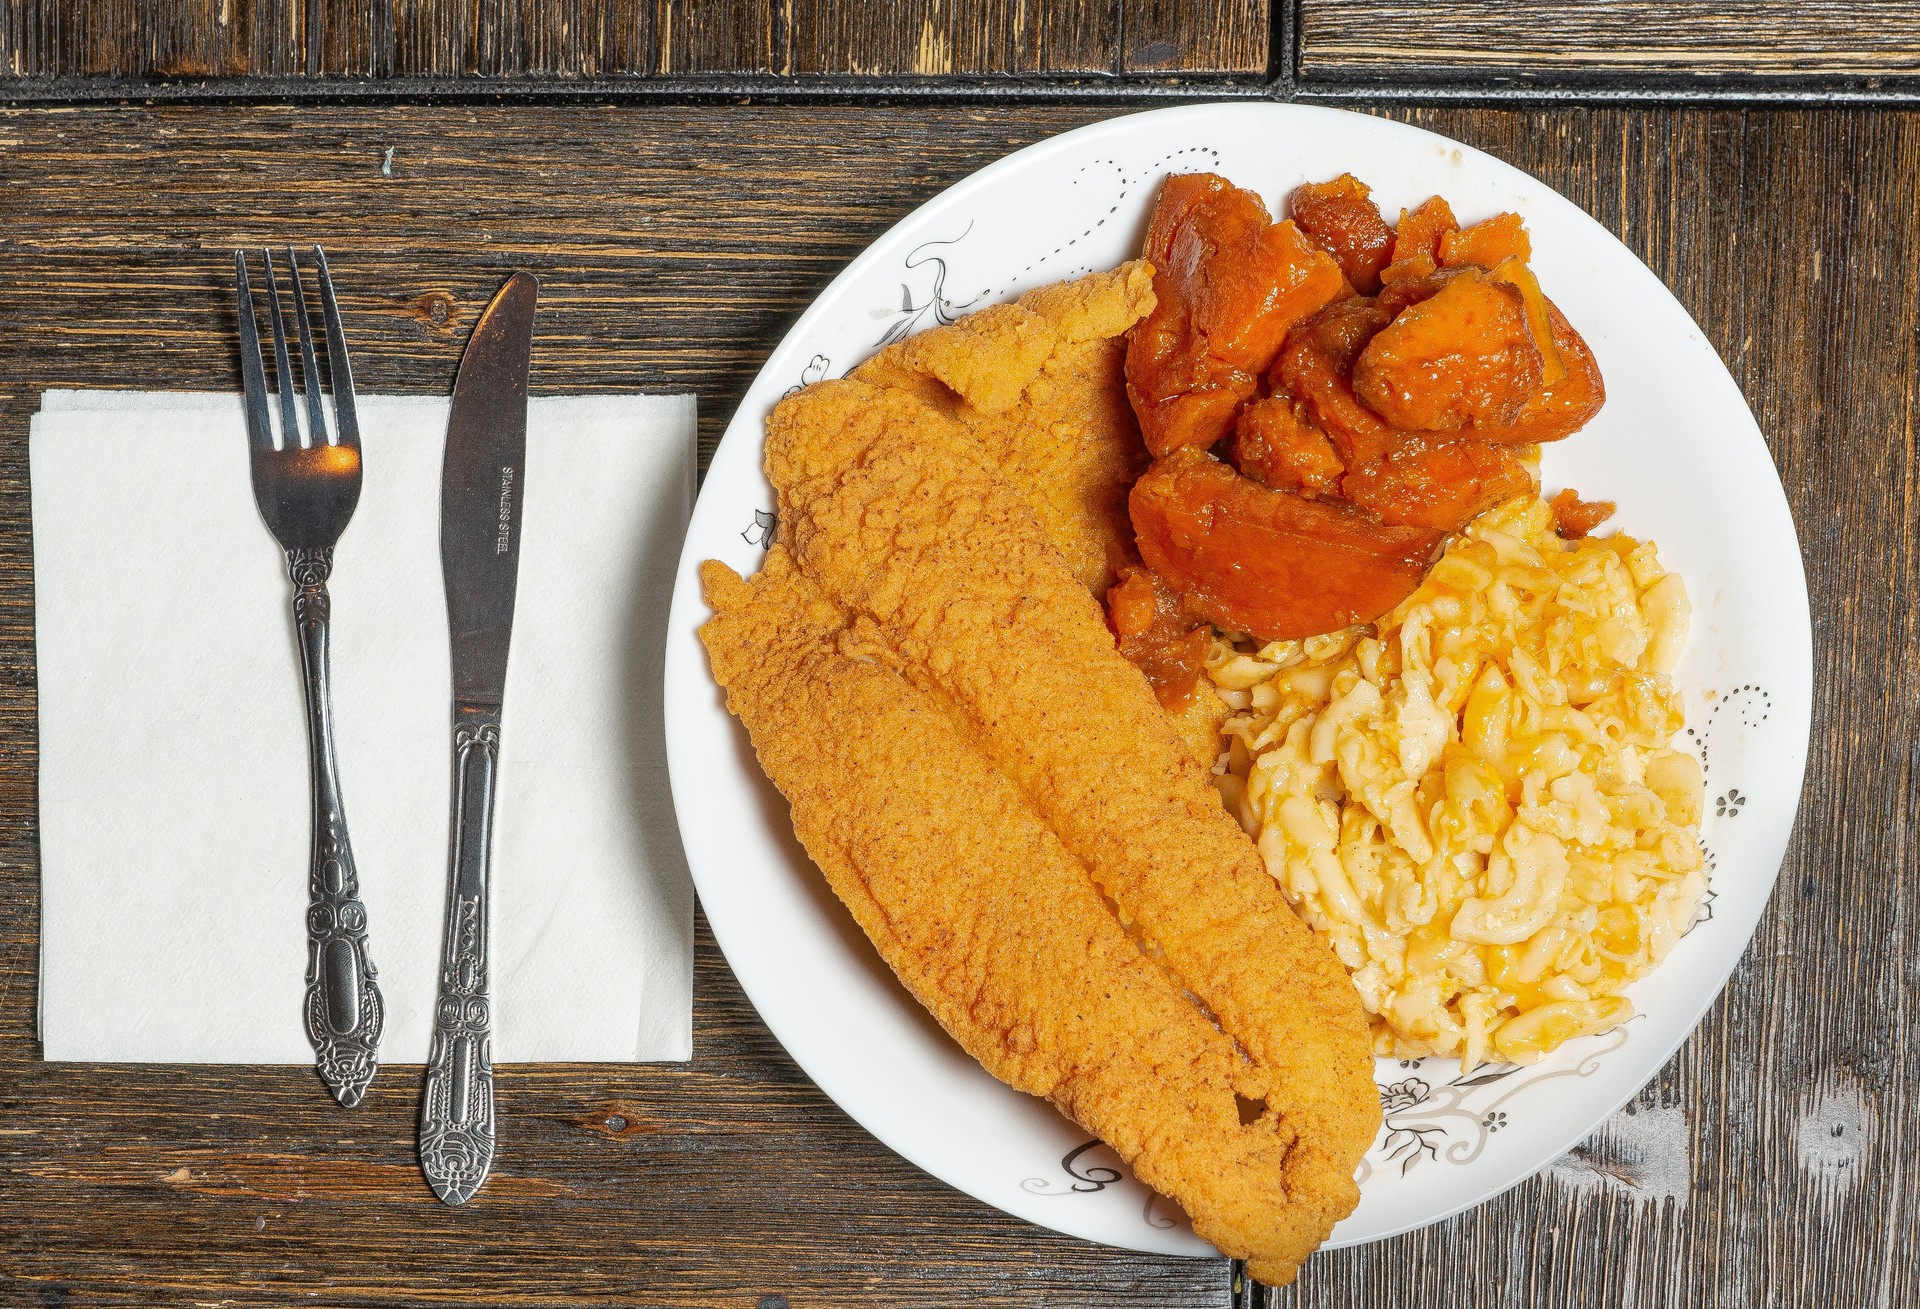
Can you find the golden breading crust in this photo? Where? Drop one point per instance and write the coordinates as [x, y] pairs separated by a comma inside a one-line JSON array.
[[969, 896], [894, 510], [1041, 385], [1198, 725]]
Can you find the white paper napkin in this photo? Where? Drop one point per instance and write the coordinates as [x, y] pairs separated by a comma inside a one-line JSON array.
[[173, 771]]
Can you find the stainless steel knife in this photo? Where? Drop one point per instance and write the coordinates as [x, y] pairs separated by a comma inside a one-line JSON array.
[[481, 501]]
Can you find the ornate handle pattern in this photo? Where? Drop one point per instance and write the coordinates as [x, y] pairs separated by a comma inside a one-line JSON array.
[[456, 1116], [343, 1010]]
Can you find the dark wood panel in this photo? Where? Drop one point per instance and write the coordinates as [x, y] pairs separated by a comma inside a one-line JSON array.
[[973, 37], [569, 40], [1769, 1163], [1650, 42], [1179, 36]]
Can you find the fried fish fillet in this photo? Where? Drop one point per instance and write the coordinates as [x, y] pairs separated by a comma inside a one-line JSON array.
[[994, 926], [1198, 725], [1041, 384], [892, 507]]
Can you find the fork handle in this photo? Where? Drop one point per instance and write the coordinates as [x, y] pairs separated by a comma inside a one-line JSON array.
[[456, 1114], [343, 1008]]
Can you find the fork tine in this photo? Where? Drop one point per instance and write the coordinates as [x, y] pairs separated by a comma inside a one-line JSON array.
[[339, 371], [253, 377], [309, 367], [289, 406]]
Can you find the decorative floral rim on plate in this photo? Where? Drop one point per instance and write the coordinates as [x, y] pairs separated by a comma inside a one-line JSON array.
[[1675, 446]]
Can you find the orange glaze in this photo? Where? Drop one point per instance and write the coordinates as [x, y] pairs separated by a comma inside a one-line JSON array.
[[1157, 634]]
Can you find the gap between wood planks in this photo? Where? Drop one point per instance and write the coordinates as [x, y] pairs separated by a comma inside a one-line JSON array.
[[1655, 90]]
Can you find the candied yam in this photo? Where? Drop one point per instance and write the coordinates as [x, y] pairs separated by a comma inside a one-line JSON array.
[[1341, 217], [1174, 664], [1574, 517], [1341, 330], [1560, 408], [1410, 287], [1486, 244], [1180, 196], [1158, 636], [1193, 417], [1131, 602], [1439, 484], [1228, 284], [1180, 395], [1463, 356], [1411, 269], [1243, 279], [1316, 365], [1515, 273], [1311, 280], [1266, 562], [1276, 443], [1420, 230]]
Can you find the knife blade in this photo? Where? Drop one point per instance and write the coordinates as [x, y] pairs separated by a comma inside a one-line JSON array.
[[481, 502]]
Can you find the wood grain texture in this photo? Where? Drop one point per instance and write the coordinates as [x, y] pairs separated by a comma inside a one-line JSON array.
[[525, 41], [1595, 42], [1164, 36], [675, 245]]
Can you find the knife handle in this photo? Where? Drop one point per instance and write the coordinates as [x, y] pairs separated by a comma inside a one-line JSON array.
[[343, 1007], [456, 1115]]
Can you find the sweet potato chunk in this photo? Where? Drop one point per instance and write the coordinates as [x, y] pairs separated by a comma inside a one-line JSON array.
[[1411, 269], [1276, 443], [1158, 636], [1420, 230], [1408, 289], [1463, 357], [1229, 282], [1316, 365], [1399, 404], [1437, 483], [1181, 394], [1560, 408], [1266, 562], [1486, 244], [1574, 517], [1515, 273], [1341, 217], [1243, 278]]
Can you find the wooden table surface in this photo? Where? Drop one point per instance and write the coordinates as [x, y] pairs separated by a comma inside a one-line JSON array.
[[686, 175]]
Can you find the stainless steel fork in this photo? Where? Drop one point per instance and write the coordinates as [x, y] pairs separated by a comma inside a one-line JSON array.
[[306, 484]]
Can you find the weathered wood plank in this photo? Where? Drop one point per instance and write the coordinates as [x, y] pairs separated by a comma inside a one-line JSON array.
[[1770, 1162], [529, 40], [1179, 36], [1585, 42], [964, 37]]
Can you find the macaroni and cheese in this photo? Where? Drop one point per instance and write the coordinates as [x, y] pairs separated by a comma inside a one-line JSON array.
[[1476, 800]]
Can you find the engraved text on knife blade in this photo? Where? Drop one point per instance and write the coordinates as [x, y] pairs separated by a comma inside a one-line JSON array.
[[505, 533]]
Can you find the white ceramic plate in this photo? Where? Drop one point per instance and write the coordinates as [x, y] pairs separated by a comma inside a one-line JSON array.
[[1675, 446]]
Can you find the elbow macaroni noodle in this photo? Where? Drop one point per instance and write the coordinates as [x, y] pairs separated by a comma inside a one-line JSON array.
[[1477, 801]]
